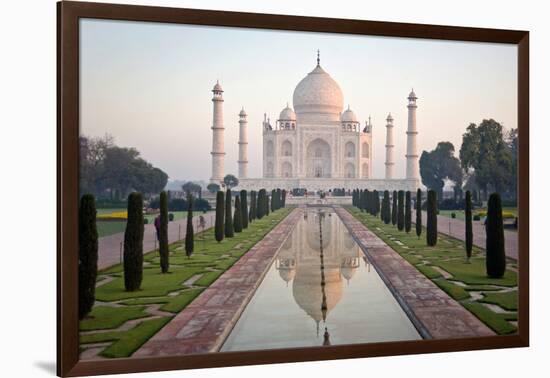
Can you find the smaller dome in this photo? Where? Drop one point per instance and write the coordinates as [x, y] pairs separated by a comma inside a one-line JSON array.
[[412, 94], [217, 87], [287, 114], [348, 116], [242, 113]]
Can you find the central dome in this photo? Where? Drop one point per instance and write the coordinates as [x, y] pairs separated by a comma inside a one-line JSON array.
[[318, 94]]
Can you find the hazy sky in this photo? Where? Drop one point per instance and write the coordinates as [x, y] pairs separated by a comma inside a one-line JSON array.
[[149, 86]]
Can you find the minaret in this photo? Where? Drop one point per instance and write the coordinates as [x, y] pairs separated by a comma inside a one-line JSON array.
[[389, 148], [412, 154], [218, 152], [243, 145]]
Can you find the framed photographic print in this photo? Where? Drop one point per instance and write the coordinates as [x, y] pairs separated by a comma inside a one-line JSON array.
[[238, 188]]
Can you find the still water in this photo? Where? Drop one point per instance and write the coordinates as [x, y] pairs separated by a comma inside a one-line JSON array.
[[320, 290]]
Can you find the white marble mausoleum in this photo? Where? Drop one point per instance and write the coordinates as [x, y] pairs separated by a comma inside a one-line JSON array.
[[317, 144]]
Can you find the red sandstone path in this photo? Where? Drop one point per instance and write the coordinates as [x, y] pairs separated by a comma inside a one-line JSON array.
[[432, 311], [110, 246], [203, 325], [456, 229]]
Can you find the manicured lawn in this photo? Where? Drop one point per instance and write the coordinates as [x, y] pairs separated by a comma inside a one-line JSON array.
[[168, 293], [449, 255]]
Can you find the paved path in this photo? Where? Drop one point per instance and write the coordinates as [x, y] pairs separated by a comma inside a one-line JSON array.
[[432, 311], [456, 228], [203, 325], [110, 247]]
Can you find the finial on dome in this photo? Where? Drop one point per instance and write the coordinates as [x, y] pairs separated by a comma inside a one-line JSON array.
[[318, 57]]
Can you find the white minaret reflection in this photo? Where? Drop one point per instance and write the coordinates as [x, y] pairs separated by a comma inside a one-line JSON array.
[[389, 147], [412, 154], [218, 152], [243, 145]]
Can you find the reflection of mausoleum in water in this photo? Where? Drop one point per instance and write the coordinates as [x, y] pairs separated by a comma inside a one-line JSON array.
[[299, 263]]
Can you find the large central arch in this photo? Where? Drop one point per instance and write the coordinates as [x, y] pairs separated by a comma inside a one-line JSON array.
[[318, 159]]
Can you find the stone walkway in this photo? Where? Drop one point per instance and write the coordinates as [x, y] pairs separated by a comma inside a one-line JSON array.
[[456, 229], [203, 325], [432, 311], [110, 247]]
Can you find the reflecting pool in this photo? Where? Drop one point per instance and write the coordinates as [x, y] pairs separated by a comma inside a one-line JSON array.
[[320, 290]]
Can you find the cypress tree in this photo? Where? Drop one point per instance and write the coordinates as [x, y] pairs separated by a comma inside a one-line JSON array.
[[386, 205], [237, 219], [431, 224], [394, 208], [267, 206], [228, 230], [220, 212], [354, 198], [260, 204], [468, 221], [87, 255], [400, 210], [163, 233], [283, 199], [190, 233], [244, 209], [279, 199], [495, 251], [418, 213], [133, 243], [376, 203], [273, 200], [408, 212], [252, 211]]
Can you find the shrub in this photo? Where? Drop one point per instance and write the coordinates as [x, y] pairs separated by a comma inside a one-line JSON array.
[[189, 233], [476, 217], [87, 255], [408, 214], [133, 243], [495, 251], [163, 233], [228, 230], [431, 225], [171, 217], [145, 221], [220, 212], [244, 208], [418, 213], [453, 215], [237, 217], [400, 210], [468, 221]]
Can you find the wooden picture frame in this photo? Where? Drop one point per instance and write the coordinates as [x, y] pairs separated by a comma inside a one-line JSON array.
[[69, 14]]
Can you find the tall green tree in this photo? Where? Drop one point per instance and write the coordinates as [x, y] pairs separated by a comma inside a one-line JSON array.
[[468, 221], [418, 213], [163, 233], [244, 208], [408, 212], [213, 188], [273, 200], [283, 199], [253, 203], [220, 215], [431, 224], [190, 232], [133, 243], [400, 210], [87, 255], [228, 230], [267, 206], [439, 165], [485, 150], [495, 249], [386, 212], [261, 204], [394, 208], [237, 218]]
